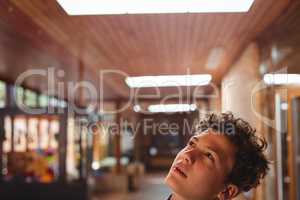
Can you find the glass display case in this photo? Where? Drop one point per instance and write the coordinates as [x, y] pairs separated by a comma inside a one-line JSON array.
[[47, 152]]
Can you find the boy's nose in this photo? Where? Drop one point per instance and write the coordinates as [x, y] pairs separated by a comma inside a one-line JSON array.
[[188, 157]]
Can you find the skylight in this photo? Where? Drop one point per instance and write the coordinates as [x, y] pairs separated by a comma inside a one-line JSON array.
[[110, 7]]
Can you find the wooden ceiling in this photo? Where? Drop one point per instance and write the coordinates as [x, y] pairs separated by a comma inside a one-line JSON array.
[[39, 34], [284, 35]]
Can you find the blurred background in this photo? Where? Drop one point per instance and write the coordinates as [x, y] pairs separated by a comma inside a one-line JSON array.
[[80, 119]]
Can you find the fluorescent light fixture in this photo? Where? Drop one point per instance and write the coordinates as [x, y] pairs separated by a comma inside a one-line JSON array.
[[172, 108], [281, 79], [168, 81], [109, 7]]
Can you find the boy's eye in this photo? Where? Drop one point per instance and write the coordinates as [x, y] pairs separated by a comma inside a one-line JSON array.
[[191, 143], [210, 156]]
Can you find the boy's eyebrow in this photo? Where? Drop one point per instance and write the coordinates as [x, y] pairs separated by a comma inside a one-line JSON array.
[[212, 149], [195, 138]]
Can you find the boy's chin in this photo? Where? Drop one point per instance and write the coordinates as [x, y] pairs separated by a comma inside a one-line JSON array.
[[171, 182], [167, 180], [175, 186]]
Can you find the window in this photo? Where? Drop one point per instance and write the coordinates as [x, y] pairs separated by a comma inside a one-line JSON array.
[[30, 98], [19, 95], [2, 94], [43, 100]]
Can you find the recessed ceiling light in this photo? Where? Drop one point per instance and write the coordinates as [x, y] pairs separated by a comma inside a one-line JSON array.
[[172, 108], [168, 81], [96, 165], [107, 7], [137, 108], [281, 79]]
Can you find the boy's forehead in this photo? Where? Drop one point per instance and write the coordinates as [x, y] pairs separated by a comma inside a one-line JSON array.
[[209, 136], [207, 131]]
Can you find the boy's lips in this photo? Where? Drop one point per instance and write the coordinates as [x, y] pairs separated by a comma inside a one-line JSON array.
[[180, 170]]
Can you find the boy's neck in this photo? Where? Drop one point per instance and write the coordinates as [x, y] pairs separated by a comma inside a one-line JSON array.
[[177, 197]]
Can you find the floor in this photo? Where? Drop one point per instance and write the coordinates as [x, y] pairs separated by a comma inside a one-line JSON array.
[[152, 188]]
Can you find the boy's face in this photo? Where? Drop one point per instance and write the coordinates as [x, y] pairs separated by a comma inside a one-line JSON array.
[[199, 170]]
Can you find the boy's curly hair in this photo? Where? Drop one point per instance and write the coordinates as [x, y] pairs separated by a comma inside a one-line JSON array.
[[251, 165]]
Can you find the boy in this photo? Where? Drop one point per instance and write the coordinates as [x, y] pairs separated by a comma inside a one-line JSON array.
[[222, 159]]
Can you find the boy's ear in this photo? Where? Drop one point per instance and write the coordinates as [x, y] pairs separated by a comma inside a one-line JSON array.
[[229, 192]]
